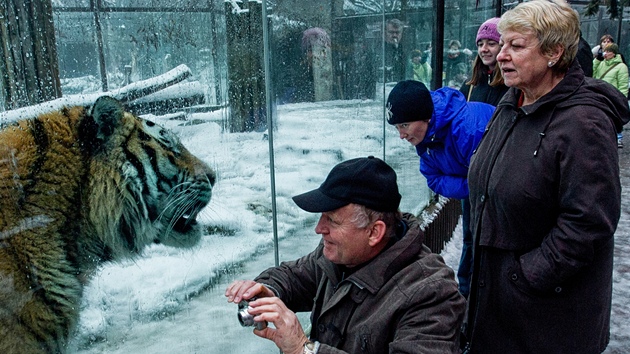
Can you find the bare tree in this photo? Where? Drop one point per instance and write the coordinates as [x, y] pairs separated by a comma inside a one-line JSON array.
[[28, 53]]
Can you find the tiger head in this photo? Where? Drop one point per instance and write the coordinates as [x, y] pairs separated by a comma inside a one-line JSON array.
[[144, 186]]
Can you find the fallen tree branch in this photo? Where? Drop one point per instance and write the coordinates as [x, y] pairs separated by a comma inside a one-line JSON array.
[[124, 94]]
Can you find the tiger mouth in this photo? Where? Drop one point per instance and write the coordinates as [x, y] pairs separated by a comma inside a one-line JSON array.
[[186, 222]]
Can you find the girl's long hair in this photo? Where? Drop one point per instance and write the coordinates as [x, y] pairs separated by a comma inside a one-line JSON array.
[[480, 71]]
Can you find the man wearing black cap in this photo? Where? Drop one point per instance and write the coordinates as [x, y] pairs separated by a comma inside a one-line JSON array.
[[371, 285], [445, 129]]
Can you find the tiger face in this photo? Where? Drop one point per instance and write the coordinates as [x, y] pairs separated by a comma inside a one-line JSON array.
[[162, 185], [180, 187], [78, 188]]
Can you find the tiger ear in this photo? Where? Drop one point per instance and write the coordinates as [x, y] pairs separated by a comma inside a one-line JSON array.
[[106, 112]]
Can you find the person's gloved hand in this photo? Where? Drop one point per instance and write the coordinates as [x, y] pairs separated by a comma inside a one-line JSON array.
[[600, 56]]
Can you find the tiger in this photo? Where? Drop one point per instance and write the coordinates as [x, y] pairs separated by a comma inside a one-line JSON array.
[[80, 187]]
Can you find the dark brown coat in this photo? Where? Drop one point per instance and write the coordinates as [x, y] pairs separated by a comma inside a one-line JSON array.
[[545, 195], [403, 301]]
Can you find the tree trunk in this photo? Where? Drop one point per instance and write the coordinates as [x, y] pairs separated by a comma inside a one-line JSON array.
[[28, 53], [246, 75]]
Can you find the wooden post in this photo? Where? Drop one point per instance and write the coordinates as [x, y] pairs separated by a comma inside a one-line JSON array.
[[28, 53], [246, 78]]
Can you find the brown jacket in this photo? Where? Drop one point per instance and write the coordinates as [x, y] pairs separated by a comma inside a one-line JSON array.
[[545, 196], [403, 301]]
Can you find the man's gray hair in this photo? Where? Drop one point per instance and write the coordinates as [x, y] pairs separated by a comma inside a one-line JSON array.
[[364, 216]]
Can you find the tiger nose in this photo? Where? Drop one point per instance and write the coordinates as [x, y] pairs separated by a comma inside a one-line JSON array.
[[204, 172], [212, 177]]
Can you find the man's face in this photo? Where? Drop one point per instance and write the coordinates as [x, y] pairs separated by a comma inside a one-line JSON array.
[[344, 243], [392, 34]]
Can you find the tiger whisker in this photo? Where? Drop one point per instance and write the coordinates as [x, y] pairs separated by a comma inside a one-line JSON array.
[[177, 192]]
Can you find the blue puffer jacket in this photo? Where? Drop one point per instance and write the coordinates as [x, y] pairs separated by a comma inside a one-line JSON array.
[[454, 132]]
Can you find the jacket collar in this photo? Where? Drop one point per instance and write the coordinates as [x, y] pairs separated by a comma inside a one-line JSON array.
[[576, 89], [383, 267]]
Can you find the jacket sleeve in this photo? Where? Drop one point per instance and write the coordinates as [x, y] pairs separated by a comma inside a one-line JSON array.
[[442, 184], [432, 320], [589, 195], [295, 281], [596, 64], [622, 79], [465, 135], [428, 72]]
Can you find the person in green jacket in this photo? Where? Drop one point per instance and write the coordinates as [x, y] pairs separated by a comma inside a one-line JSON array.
[[419, 69], [614, 71]]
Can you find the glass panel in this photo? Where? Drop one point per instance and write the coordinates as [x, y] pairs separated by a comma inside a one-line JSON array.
[[175, 294], [329, 75], [78, 60]]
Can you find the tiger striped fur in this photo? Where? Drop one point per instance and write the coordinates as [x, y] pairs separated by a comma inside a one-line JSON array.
[[80, 187]]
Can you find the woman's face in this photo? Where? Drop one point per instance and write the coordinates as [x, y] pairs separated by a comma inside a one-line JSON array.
[[604, 43], [413, 132], [608, 55], [488, 50], [522, 63]]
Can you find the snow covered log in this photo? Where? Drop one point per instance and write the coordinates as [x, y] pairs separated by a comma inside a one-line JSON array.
[[174, 98], [125, 94]]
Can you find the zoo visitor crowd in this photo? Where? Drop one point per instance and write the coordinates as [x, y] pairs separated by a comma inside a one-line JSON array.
[[529, 144]]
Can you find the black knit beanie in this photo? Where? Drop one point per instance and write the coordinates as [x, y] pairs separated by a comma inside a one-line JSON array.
[[409, 101]]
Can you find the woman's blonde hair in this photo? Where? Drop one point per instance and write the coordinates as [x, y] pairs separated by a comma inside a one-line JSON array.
[[553, 22]]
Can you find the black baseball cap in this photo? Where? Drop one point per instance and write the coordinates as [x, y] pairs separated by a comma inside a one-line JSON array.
[[367, 181]]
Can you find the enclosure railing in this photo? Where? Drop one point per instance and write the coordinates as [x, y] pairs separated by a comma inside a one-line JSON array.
[[445, 215]]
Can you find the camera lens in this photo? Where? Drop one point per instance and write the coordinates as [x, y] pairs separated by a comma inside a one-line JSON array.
[[246, 319]]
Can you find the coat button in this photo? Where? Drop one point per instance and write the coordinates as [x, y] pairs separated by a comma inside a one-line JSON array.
[[558, 289], [321, 328], [514, 277], [482, 283], [483, 198]]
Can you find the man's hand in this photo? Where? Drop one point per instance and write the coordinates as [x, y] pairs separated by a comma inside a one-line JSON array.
[[245, 290], [288, 333]]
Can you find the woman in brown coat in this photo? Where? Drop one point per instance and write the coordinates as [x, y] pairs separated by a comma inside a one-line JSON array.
[[545, 195]]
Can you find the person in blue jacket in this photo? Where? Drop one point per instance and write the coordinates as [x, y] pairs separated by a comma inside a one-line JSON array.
[[445, 129]]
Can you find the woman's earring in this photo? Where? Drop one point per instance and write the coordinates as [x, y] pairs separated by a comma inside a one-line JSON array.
[[551, 63]]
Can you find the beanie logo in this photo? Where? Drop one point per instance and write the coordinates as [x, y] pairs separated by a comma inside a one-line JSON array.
[[390, 114]]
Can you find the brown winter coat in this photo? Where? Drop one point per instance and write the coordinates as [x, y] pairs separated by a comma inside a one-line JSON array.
[[545, 195], [404, 301]]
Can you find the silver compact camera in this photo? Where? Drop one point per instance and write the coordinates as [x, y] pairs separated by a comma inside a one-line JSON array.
[[247, 320]]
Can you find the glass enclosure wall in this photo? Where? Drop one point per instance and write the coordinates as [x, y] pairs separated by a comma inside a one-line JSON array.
[[271, 105]]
